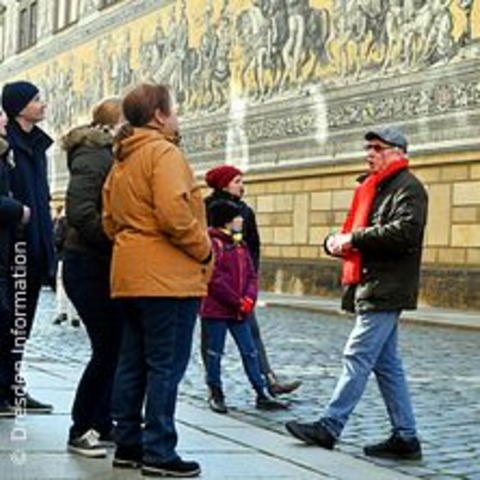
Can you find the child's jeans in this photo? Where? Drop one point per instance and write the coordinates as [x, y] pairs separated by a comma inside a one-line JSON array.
[[242, 334]]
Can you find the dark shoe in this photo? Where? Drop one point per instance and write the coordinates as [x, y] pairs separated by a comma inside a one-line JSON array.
[[216, 400], [75, 322], [311, 433], [62, 317], [264, 402], [128, 457], [34, 406], [395, 448], [87, 445], [6, 410], [107, 439], [175, 468], [277, 388]]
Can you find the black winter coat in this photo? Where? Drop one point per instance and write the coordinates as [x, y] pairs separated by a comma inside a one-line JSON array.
[[11, 211], [29, 185], [250, 228], [391, 247], [89, 157]]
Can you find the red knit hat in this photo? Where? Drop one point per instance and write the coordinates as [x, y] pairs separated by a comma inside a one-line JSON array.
[[220, 176]]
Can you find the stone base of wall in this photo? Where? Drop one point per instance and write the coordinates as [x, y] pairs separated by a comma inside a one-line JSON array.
[[445, 287]]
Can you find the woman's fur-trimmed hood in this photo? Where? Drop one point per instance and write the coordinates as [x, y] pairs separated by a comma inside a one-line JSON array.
[[87, 136]]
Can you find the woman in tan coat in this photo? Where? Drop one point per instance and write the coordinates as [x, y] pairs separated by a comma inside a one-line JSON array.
[[153, 210]]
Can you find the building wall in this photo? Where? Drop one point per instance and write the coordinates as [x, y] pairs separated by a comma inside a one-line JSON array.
[[285, 89]]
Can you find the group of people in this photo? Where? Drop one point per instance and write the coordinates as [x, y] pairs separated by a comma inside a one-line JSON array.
[[144, 254]]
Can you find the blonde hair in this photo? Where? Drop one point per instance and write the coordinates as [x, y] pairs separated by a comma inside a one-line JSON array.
[[107, 112]]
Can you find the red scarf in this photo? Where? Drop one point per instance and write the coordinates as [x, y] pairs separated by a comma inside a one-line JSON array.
[[359, 215]]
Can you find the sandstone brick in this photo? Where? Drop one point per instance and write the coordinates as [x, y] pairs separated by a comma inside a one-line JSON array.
[[464, 214], [273, 187], [321, 200], [339, 218], [341, 199], [454, 172], [270, 251], [321, 218], [284, 203], [281, 219], [317, 235], [312, 184], [475, 171], [331, 182], [427, 175], [301, 219], [429, 255], [452, 256], [309, 252], [466, 193], [266, 235], [263, 219], [473, 256], [466, 235], [439, 212], [265, 203], [283, 235], [293, 186], [289, 252]]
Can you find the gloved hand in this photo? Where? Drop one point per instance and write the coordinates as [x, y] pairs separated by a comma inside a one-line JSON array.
[[246, 305]]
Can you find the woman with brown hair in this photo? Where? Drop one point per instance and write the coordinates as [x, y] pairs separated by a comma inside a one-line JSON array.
[[153, 210], [86, 272]]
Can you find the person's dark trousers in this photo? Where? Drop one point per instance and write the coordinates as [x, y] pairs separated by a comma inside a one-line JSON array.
[[255, 329], [242, 334], [87, 283], [154, 355], [16, 322], [6, 341]]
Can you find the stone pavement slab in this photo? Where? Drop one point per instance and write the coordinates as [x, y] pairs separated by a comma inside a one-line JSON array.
[[226, 447]]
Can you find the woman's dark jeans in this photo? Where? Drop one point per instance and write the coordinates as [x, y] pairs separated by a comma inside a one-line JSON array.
[[87, 284], [155, 351]]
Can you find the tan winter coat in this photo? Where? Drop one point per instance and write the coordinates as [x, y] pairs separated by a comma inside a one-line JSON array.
[[153, 210]]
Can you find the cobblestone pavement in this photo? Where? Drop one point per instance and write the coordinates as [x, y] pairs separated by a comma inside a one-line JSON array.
[[443, 366]]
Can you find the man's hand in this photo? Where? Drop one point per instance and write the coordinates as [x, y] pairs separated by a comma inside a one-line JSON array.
[[338, 244], [26, 215]]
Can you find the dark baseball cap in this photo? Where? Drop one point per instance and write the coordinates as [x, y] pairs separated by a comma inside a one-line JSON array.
[[390, 136]]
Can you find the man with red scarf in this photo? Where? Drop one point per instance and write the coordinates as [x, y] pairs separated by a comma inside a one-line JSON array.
[[380, 245]]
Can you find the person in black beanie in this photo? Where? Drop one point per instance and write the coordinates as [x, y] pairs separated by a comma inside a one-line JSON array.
[[33, 244], [12, 214], [227, 184]]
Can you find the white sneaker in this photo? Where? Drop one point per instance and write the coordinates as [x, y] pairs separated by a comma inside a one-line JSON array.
[[87, 445]]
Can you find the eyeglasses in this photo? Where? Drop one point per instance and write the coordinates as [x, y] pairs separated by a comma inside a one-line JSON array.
[[376, 147]]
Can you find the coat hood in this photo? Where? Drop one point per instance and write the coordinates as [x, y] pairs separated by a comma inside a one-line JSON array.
[[87, 136]]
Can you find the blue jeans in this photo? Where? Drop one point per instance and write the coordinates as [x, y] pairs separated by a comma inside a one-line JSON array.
[[372, 346], [87, 283], [156, 346], [242, 334]]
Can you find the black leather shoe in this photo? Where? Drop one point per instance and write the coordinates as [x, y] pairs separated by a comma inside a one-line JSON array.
[[396, 448], [34, 406], [175, 468], [264, 402], [216, 400], [128, 456], [311, 433]]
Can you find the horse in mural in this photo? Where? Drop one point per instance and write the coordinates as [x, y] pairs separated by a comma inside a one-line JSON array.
[[263, 34], [356, 23], [318, 34]]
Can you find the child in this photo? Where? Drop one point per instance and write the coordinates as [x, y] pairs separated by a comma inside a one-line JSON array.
[[232, 292]]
